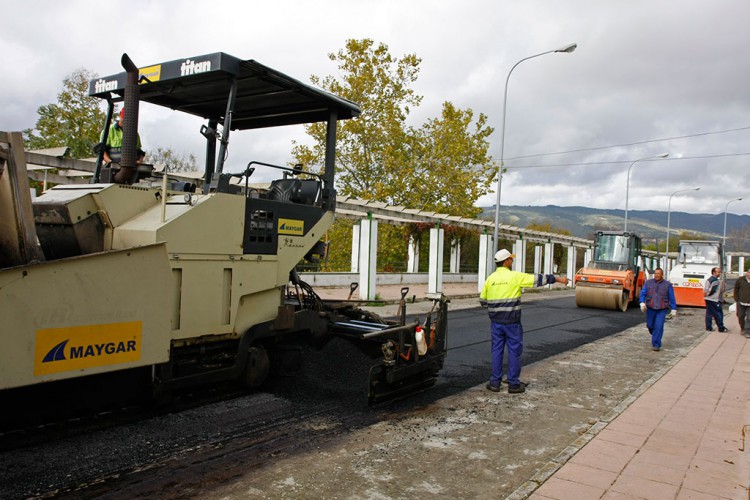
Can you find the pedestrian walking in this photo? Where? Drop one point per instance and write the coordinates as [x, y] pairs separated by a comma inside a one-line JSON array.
[[742, 300], [657, 298], [501, 295], [713, 293]]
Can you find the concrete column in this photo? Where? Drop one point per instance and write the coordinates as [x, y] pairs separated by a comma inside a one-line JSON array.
[[741, 267], [549, 258], [435, 273], [368, 258], [588, 256], [549, 262], [413, 265], [455, 263], [572, 254], [538, 259], [519, 249], [729, 263], [486, 260], [355, 248]]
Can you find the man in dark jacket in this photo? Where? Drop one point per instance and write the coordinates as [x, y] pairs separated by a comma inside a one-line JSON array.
[[713, 293], [657, 297], [742, 301]]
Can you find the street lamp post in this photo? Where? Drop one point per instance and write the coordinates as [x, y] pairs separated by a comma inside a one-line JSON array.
[[669, 213], [724, 237], [627, 186], [566, 49]]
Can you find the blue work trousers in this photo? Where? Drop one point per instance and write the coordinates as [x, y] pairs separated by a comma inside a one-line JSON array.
[[512, 336], [714, 312], [655, 324]]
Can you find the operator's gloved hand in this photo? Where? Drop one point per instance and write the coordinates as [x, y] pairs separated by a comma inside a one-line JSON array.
[[643, 307], [672, 314]]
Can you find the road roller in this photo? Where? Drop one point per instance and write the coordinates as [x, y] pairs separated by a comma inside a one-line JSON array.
[[695, 260], [615, 276]]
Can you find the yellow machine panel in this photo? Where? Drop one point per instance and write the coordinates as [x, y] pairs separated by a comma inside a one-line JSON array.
[[88, 314]]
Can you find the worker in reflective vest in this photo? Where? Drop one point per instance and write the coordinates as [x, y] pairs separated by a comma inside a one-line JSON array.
[[501, 295], [113, 150], [657, 298]]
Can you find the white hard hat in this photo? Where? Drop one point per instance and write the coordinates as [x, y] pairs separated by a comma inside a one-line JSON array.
[[503, 255]]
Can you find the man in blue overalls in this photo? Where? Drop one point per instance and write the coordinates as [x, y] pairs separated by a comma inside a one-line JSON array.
[[501, 295], [657, 298]]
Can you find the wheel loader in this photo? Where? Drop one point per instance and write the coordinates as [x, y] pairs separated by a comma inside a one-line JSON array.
[[188, 282], [615, 277]]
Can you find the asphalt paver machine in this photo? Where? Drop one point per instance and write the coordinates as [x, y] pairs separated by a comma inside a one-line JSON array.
[[190, 284]]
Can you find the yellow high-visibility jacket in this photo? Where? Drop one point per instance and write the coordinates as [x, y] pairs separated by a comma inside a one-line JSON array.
[[501, 294]]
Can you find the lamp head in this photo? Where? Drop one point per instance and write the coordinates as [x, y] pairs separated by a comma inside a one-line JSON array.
[[663, 155], [568, 48]]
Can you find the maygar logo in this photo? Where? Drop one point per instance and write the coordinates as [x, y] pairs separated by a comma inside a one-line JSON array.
[[292, 227], [79, 347], [190, 67], [103, 85], [57, 353], [149, 74]]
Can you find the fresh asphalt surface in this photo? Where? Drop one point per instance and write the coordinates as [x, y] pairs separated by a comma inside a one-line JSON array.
[[105, 462], [550, 325]]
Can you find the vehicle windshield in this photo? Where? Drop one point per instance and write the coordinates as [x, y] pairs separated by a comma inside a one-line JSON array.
[[699, 253], [612, 248]]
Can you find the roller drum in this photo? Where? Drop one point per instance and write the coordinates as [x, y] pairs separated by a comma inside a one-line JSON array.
[[602, 298]]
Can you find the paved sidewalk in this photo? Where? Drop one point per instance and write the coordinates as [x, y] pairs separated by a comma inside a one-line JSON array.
[[681, 438]]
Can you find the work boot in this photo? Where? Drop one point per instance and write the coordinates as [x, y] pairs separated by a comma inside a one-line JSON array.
[[516, 388], [493, 388]]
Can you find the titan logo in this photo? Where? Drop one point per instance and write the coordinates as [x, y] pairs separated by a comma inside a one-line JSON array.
[[57, 353], [103, 85], [190, 67]]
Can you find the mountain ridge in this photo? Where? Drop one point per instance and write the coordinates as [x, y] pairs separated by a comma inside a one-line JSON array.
[[648, 224]]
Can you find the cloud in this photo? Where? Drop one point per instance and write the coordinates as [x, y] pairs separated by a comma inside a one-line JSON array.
[[643, 70]]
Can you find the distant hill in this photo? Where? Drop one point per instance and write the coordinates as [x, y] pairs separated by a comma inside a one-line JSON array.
[[649, 224]]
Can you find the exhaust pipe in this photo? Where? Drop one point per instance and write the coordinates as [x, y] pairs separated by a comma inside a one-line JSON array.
[[128, 166]]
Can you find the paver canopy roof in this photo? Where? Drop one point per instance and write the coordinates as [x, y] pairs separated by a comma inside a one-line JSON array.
[[201, 86]]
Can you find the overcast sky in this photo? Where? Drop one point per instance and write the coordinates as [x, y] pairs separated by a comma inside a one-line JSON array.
[[646, 74]]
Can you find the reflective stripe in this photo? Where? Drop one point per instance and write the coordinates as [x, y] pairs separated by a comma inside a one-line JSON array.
[[505, 311]]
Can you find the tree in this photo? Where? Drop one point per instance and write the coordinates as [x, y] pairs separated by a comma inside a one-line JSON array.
[[737, 239], [441, 166], [547, 227], [454, 159], [75, 121], [176, 162]]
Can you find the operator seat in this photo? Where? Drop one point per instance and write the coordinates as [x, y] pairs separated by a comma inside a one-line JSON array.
[[284, 189], [305, 191]]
